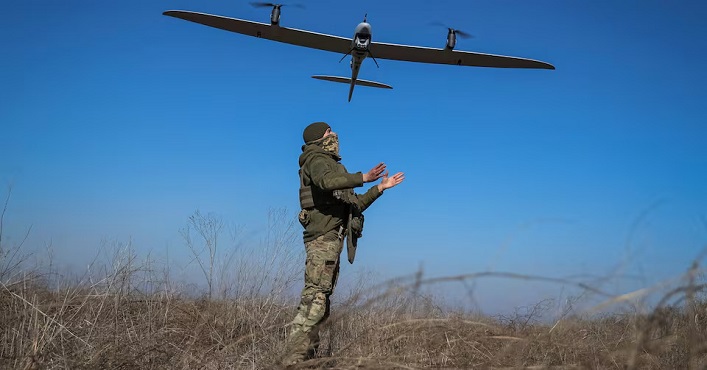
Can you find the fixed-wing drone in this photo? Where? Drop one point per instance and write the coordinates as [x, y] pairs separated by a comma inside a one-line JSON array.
[[359, 47]]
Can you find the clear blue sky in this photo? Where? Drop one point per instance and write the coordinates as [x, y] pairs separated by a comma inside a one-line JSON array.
[[117, 122]]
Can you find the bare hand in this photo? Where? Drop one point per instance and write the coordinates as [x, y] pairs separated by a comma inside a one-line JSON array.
[[375, 173], [389, 182]]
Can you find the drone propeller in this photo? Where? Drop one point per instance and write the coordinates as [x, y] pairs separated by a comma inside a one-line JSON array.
[[457, 32], [273, 5]]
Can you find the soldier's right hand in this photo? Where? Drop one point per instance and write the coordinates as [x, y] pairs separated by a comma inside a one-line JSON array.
[[375, 173]]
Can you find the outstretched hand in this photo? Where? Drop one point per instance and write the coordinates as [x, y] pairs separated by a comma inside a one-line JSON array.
[[389, 182], [375, 173]]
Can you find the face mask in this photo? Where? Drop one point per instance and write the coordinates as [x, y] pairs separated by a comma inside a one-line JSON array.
[[331, 144]]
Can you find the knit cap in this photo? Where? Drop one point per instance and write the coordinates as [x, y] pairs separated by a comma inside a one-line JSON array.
[[315, 131]]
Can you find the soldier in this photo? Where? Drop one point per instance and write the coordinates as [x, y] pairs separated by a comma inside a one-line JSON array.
[[330, 211]]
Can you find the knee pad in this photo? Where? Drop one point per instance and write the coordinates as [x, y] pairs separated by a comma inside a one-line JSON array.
[[318, 309]]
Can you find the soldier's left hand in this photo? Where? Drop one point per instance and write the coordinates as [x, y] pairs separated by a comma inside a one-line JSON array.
[[389, 182]]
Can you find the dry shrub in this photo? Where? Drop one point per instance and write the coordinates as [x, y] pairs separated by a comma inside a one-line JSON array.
[[129, 314], [89, 328], [111, 324], [402, 328]]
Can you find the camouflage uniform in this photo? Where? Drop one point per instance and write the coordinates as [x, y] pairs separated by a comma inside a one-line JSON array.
[[323, 238], [321, 272]]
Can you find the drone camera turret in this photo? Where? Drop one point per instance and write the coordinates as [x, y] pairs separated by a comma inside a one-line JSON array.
[[362, 41]]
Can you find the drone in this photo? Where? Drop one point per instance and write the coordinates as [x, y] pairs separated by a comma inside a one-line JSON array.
[[359, 47]]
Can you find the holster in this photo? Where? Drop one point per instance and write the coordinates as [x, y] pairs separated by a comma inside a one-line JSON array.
[[350, 241], [354, 230]]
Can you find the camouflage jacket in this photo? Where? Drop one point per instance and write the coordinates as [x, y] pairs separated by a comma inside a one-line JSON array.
[[324, 173]]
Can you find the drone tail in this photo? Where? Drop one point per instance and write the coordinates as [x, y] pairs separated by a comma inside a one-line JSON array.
[[347, 80]]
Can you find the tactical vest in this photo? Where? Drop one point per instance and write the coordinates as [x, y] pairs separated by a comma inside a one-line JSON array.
[[309, 197]]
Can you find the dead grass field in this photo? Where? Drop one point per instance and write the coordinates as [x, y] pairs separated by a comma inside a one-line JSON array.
[[130, 314], [113, 324]]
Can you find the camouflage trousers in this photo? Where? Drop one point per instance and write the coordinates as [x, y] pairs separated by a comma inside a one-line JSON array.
[[320, 275]]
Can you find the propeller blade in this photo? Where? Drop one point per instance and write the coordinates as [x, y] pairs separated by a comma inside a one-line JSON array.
[[262, 5], [463, 34], [259, 4], [457, 32]]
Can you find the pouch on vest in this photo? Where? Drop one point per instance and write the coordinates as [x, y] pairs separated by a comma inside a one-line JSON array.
[[346, 196]]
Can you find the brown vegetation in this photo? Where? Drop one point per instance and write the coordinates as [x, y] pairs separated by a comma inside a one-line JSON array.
[[129, 314], [112, 324]]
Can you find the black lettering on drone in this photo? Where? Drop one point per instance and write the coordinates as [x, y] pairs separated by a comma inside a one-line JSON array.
[[459, 62], [257, 34]]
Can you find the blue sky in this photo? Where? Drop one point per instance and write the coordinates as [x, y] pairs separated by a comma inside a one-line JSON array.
[[118, 123]]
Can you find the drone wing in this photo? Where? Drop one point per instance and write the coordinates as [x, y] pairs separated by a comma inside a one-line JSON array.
[[266, 31], [342, 45], [445, 56]]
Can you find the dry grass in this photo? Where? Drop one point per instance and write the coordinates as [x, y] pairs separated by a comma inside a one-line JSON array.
[[130, 314], [87, 329], [113, 324]]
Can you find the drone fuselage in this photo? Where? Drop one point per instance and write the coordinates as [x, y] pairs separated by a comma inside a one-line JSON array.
[[359, 51]]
